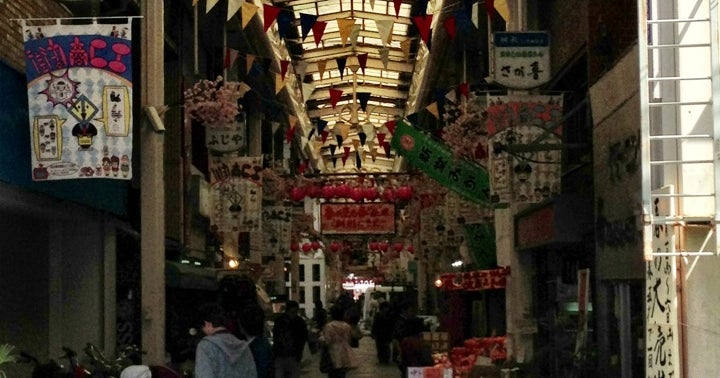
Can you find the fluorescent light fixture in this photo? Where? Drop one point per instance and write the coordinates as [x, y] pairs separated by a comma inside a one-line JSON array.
[[457, 263]]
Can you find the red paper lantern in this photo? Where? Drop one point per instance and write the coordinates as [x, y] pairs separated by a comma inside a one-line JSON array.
[[306, 247], [335, 246], [410, 249], [357, 194], [383, 246], [370, 193], [373, 246], [398, 247], [404, 193], [328, 192], [342, 191], [313, 191], [389, 195], [297, 193], [294, 246], [315, 245]]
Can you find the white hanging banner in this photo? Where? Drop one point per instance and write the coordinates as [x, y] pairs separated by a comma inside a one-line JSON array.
[[79, 85], [521, 59]]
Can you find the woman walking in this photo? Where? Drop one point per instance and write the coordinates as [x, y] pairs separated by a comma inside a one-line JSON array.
[[336, 336]]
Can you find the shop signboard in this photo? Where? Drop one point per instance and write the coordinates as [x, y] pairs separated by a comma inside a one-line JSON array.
[[429, 372], [521, 59], [357, 218]]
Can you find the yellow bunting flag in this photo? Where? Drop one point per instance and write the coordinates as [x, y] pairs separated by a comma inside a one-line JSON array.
[[345, 26], [209, 5], [195, 2], [249, 59], [433, 109], [356, 144], [405, 46], [385, 28], [243, 87], [321, 67], [248, 11], [501, 6], [373, 151], [344, 129], [233, 7]]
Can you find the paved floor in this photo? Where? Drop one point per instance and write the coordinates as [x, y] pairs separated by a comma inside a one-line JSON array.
[[369, 367]]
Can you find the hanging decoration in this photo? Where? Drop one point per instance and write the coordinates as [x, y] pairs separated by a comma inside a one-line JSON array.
[[236, 193], [79, 86]]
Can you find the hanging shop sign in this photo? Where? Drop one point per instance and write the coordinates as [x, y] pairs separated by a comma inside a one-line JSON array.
[[521, 59], [229, 138], [437, 161], [475, 280], [79, 85], [356, 218], [236, 193]]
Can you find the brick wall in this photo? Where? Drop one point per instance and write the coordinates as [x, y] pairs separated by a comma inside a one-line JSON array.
[[11, 41]]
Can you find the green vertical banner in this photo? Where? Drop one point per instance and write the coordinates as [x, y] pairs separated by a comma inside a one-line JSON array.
[[481, 243], [464, 177]]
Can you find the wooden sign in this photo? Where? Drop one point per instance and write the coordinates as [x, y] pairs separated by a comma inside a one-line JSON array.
[[357, 218]]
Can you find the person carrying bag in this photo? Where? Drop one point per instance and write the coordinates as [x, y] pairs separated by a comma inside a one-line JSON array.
[[336, 355]]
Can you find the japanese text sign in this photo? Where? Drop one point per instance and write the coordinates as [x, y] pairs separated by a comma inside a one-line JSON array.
[[79, 85], [521, 60], [356, 218]]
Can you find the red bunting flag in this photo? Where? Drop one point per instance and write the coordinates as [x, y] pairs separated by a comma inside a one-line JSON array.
[[231, 56], [346, 150], [397, 4], [301, 167], [289, 134], [362, 59], [325, 134], [451, 27], [335, 96], [386, 146], [464, 90], [270, 14], [490, 7], [391, 126], [284, 67], [381, 138], [423, 24], [318, 30]]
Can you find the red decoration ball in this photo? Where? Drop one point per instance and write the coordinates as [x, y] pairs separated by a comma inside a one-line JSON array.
[[404, 193], [410, 249], [370, 194], [315, 245], [389, 195], [398, 247], [294, 246], [328, 192], [306, 247], [297, 194], [335, 246], [373, 246], [357, 194]]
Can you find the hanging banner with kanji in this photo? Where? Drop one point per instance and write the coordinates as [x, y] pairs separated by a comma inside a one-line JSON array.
[[236, 193], [79, 85], [277, 230], [525, 147], [437, 161]]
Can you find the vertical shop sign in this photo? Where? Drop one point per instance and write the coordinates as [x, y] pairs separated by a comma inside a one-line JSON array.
[[236, 193], [277, 226], [525, 155], [583, 303], [662, 347], [79, 86], [432, 157], [521, 60]]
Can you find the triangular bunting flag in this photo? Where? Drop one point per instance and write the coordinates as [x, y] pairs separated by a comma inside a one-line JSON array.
[[501, 6], [475, 15], [195, 2], [397, 4], [450, 27], [451, 96], [386, 146], [335, 96], [321, 125], [391, 126], [354, 34], [247, 12], [324, 134], [210, 4], [283, 67], [230, 56], [344, 159], [381, 138], [462, 21], [334, 160], [311, 133], [301, 167], [356, 144], [358, 161], [385, 55], [339, 139], [413, 118], [307, 21], [423, 24], [464, 90], [289, 134], [433, 109], [332, 149], [279, 83], [318, 31], [300, 67], [385, 28], [249, 60], [292, 121], [361, 154], [342, 129], [307, 90], [233, 7], [270, 14], [373, 151], [284, 21], [362, 59], [274, 126], [346, 151], [321, 67], [364, 97], [345, 26], [243, 88], [405, 47], [363, 137], [369, 130], [341, 61], [490, 8]]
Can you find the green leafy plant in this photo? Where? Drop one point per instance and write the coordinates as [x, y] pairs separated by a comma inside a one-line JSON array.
[[6, 356]]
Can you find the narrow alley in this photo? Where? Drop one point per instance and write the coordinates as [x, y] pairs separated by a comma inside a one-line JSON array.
[[367, 361]]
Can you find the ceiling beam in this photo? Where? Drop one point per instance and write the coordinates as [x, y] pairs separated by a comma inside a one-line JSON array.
[[381, 110], [361, 77], [377, 91], [341, 51], [371, 63]]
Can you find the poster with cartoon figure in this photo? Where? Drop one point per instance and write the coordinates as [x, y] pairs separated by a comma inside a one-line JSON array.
[[79, 84], [236, 193]]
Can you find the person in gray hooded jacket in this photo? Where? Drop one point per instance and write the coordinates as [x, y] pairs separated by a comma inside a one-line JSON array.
[[220, 354]]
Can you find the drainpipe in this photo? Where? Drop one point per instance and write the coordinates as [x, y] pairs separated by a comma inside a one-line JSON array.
[[152, 193]]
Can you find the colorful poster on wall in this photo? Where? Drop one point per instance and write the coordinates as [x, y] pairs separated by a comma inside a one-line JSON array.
[[236, 193], [525, 148], [79, 85]]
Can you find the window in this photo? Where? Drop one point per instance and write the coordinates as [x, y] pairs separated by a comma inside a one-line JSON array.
[[302, 295], [316, 293], [302, 273], [316, 272]]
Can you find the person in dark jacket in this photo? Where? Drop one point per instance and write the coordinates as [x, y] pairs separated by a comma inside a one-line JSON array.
[[382, 331], [252, 326], [289, 337], [220, 354]]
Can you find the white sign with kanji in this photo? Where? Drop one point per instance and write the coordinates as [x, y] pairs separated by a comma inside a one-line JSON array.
[[521, 60]]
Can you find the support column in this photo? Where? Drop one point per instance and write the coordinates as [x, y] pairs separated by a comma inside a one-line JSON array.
[[152, 194]]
